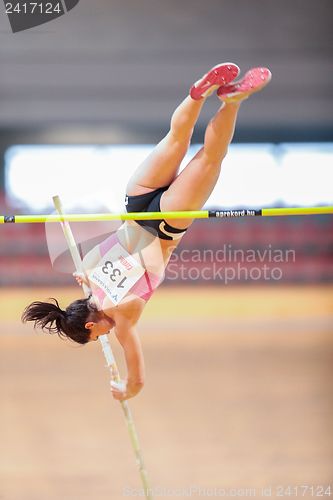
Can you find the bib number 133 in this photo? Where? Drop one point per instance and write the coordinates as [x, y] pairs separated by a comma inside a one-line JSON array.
[[114, 274]]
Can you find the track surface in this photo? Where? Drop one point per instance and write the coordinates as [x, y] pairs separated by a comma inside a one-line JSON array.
[[238, 395]]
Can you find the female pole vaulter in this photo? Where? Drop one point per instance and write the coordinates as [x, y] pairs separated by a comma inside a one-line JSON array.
[[116, 269]]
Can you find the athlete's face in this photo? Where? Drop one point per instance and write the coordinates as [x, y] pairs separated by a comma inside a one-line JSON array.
[[100, 326]]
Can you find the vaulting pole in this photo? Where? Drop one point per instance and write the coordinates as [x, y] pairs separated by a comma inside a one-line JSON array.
[[111, 363]]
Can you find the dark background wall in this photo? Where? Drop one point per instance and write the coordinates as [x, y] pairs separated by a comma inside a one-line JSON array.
[[122, 84]]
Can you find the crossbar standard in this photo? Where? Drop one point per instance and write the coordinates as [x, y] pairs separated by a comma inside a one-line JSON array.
[[188, 214]]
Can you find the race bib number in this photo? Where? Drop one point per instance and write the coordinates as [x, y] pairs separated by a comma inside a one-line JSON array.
[[116, 273]]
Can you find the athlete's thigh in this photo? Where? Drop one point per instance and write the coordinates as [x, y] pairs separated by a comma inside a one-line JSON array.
[[160, 168], [192, 188]]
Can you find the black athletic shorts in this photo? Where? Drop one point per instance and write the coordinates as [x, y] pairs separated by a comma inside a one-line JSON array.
[[150, 202]]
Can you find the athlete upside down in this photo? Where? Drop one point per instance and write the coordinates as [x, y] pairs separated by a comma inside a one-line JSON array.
[[155, 186]]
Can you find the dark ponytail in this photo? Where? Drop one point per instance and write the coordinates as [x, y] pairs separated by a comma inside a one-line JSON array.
[[69, 323]]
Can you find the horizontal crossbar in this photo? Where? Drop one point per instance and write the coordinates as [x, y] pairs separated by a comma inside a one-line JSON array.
[[196, 214]]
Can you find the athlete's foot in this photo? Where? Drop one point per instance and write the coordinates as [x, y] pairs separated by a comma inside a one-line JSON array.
[[253, 81], [222, 74]]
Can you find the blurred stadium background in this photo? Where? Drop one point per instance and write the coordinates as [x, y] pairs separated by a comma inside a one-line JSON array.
[[239, 374]]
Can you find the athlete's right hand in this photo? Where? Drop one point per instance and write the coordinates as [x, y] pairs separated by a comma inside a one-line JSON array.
[[125, 389]]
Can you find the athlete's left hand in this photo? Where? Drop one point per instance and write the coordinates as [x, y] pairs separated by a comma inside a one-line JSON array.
[[80, 278]]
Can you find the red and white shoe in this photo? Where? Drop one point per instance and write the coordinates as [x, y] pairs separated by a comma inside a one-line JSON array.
[[222, 74], [253, 81]]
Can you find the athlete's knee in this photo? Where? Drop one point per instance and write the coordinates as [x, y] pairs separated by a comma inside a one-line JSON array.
[[181, 129], [212, 160], [178, 140], [214, 156]]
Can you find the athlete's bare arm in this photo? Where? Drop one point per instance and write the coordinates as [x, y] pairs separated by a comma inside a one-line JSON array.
[[129, 339]]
